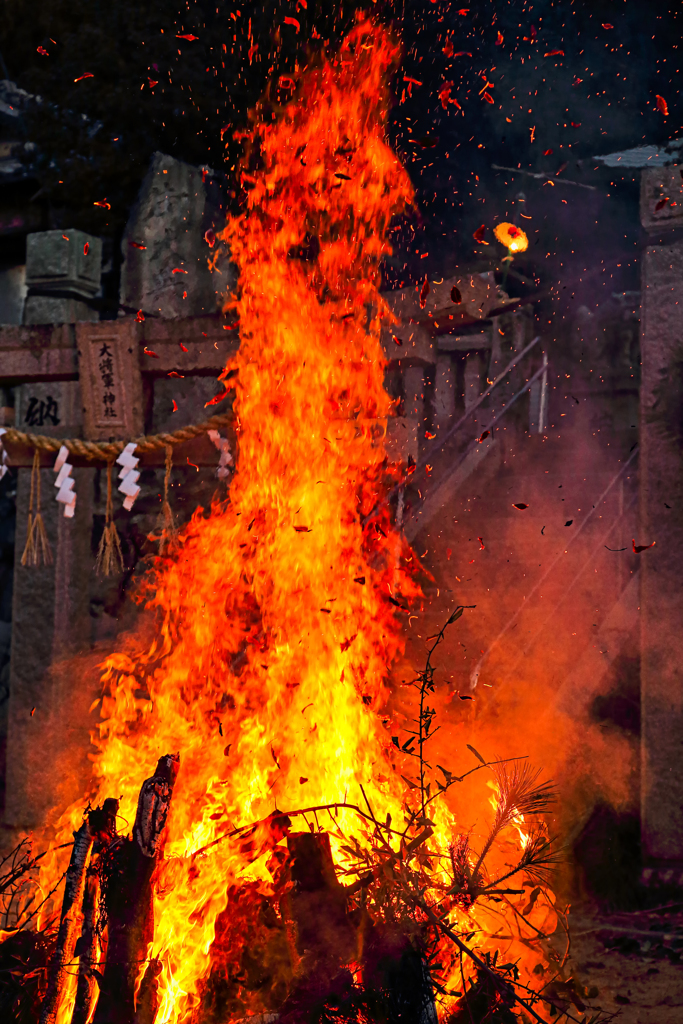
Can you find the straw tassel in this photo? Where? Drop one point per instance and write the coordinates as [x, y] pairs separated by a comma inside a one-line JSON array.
[[169, 532], [37, 545], [109, 554]]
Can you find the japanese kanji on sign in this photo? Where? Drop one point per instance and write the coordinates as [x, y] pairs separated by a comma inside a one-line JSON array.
[[110, 381]]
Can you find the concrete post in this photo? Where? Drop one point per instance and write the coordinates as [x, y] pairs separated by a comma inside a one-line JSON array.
[[63, 271], [474, 377], [661, 569], [50, 620], [444, 391], [414, 389]]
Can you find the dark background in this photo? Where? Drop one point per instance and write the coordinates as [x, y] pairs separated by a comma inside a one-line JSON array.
[[91, 140]]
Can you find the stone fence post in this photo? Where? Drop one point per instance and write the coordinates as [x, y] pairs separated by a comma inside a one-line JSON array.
[[50, 616], [661, 501]]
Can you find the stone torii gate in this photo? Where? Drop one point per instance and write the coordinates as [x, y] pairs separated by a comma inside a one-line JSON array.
[[64, 386], [55, 374], [51, 603]]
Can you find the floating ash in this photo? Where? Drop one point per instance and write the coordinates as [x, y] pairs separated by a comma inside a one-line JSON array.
[[277, 623]]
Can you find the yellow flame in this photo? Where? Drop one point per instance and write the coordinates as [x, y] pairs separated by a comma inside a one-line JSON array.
[[512, 237]]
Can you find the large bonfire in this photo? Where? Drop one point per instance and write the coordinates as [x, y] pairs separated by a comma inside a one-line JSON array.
[[277, 612]]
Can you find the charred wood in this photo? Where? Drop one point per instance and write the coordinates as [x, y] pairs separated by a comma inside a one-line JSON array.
[[398, 986], [91, 947], [128, 881], [325, 937], [322, 937], [24, 963], [485, 1000], [70, 924], [147, 1002], [250, 962]]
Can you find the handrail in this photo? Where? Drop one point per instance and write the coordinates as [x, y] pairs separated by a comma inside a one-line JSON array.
[[539, 373], [476, 671], [424, 460]]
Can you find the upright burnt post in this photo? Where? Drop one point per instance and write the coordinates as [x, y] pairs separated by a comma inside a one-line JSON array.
[[325, 937], [661, 494], [128, 877], [91, 946], [70, 923], [320, 935]]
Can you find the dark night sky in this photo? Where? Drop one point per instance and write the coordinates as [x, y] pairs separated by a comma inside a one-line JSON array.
[[597, 96], [519, 104]]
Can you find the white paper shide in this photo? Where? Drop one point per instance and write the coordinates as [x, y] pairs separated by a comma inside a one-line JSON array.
[[64, 482], [128, 475]]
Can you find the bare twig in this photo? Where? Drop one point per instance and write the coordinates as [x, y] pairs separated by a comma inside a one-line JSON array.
[[544, 177], [43, 902]]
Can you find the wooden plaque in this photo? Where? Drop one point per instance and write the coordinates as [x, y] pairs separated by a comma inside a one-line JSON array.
[[111, 383]]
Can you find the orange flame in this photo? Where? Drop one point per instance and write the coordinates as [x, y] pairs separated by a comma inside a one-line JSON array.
[[271, 658], [511, 236], [274, 626]]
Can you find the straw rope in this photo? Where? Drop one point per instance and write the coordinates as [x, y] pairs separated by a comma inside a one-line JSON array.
[[106, 451]]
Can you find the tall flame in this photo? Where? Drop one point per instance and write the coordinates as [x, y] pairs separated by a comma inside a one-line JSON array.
[[273, 624], [274, 632]]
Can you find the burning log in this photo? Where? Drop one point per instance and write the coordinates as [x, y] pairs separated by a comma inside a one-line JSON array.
[[102, 825], [128, 874], [70, 923], [147, 1002], [325, 936], [320, 934]]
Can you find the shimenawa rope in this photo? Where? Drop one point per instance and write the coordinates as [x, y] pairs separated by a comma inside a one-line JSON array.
[[106, 451], [109, 555]]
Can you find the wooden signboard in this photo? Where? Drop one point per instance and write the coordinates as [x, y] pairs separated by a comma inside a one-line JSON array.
[[111, 383]]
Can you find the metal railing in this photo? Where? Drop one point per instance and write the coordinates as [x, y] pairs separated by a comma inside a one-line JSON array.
[[476, 672], [423, 461]]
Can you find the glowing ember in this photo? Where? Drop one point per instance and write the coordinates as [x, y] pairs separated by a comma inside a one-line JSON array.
[[272, 629], [512, 237], [270, 659]]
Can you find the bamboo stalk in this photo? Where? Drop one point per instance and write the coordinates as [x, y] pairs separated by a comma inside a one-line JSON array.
[[70, 924]]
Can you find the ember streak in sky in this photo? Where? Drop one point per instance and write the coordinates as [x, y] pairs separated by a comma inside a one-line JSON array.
[[280, 617]]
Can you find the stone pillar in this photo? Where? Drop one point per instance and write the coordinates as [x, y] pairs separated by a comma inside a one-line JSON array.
[[12, 294], [165, 268], [474, 377], [444, 391], [661, 567], [414, 391], [63, 272], [50, 620]]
